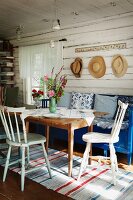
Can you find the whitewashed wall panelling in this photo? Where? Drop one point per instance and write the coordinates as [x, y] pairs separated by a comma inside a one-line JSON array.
[[110, 30], [121, 33], [19, 82]]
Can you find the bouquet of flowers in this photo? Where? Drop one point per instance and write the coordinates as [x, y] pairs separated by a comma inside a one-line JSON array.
[[55, 85], [37, 94]]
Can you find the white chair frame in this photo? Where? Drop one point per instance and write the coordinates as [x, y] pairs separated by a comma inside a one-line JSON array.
[[24, 141], [113, 137]]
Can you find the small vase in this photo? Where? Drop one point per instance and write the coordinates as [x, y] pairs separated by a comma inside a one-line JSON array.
[[52, 105], [37, 102]]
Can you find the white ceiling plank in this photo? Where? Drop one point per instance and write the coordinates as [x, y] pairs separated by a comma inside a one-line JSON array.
[[37, 16]]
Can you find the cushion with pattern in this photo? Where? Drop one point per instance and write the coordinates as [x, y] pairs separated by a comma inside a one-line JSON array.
[[82, 100]]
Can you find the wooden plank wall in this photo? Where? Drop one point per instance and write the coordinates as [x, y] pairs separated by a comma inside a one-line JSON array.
[[101, 32], [19, 81]]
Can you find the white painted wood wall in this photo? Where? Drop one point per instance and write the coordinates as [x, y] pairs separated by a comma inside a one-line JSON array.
[[101, 32]]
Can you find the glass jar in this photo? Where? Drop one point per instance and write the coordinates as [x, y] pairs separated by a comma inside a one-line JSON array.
[[52, 105]]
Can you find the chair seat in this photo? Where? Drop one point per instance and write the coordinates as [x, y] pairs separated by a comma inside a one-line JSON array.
[[32, 138], [13, 120], [94, 137]]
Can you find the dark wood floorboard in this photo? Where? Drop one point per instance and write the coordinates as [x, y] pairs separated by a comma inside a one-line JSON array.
[[10, 189]]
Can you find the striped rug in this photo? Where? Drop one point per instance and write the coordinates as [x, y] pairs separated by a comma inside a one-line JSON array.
[[95, 182]]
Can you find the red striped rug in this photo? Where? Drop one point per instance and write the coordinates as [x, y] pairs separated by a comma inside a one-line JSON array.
[[95, 182]]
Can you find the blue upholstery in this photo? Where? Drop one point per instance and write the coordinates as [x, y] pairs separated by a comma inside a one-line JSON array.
[[65, 101], [125, 144], [105, 103]]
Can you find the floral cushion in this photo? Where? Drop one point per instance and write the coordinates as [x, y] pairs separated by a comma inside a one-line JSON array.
[[82, 100], [87, 101]]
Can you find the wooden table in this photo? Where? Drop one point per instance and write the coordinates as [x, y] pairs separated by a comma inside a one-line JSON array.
[[63, 123]]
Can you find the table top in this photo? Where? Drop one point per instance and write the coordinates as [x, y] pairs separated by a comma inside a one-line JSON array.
[[63, 117]]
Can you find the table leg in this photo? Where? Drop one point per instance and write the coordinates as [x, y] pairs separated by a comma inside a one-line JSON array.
[[27, 126], [70, 150], [90, 129], [47, 137]]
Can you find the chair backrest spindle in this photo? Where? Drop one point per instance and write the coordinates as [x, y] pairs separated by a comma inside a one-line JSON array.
[[17, 127], [45, 103], [11, 128], [4, 122], [10, 119], [118, 119]]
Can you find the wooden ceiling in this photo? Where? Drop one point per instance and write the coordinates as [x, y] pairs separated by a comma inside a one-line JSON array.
[[38, 15]]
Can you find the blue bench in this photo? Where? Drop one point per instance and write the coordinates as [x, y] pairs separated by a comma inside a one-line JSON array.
[[125, 144]]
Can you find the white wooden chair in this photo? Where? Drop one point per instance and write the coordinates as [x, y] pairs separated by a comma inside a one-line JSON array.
[[113, 137], [17, 138]]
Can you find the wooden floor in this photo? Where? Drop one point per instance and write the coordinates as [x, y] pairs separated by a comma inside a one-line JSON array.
[[10, 190]]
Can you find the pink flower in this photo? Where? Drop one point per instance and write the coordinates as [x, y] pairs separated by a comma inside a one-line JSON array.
[[46, 78], [51, 93], [55, 84]]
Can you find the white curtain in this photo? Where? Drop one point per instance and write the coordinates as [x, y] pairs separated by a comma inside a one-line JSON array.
[[42, 57], [48, 58]]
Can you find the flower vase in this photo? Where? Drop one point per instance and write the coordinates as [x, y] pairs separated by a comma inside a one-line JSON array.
[[52, 105], [37, 102]]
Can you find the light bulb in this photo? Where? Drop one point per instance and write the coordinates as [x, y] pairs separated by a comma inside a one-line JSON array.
[[51, 43]]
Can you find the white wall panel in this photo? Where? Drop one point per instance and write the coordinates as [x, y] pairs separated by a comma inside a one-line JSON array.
[[101, 32]]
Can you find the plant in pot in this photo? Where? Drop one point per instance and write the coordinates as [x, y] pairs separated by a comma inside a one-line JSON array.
[[56, 84]]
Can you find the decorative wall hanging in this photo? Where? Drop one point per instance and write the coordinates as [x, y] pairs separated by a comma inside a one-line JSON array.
[[97, 66], [101, 47], [119, 65], [76, 67]]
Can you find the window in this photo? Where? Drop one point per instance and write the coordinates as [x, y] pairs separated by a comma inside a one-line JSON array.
[[36, 61], [35, 84]]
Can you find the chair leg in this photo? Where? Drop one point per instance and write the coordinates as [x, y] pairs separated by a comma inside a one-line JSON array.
[[84, 160], [47, 161], [7, 163], [23, 169], [116, 163], [113, 162], [28, 156]]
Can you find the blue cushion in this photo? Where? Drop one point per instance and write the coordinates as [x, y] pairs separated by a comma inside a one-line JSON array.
[[65, 101], [106, 104]]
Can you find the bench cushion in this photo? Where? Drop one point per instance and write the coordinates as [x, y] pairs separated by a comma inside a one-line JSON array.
[[107, 104], [129, 100], [82, 100], [108, 123], [65, 101]]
